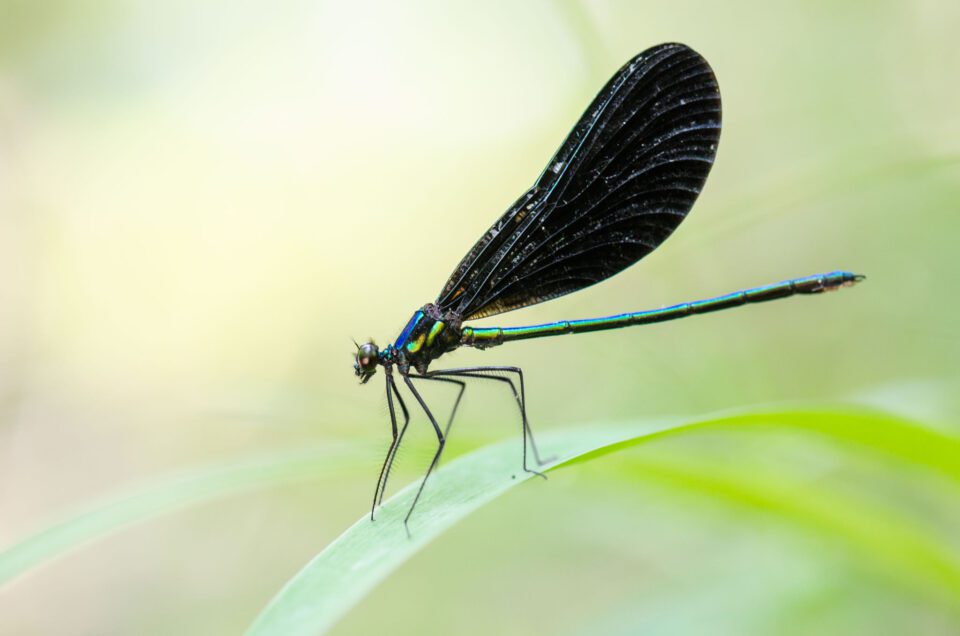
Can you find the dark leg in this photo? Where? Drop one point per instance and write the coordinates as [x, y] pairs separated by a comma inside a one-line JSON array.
[[453, 413], [397, 438], [486, 374], [456, 403], [392, 455], [441, 439]]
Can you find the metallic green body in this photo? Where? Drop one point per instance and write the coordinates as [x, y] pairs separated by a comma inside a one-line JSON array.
[[492, 336]]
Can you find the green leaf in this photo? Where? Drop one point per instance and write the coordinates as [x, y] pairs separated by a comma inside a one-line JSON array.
[[898, 546], [890, 541], [172, 493], [368, 552]]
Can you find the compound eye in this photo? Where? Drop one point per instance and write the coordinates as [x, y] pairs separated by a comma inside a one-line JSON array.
[[367, 358]]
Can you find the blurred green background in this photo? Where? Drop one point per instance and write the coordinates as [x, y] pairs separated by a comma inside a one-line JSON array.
[[201, 203]]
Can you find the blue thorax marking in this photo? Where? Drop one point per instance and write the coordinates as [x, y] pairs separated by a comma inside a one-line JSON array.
[[405, 334]]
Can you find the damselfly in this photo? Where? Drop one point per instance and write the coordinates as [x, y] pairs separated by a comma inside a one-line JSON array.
[[619, 185]]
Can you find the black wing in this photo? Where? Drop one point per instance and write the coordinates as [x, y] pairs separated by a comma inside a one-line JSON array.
[[620, 184]]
